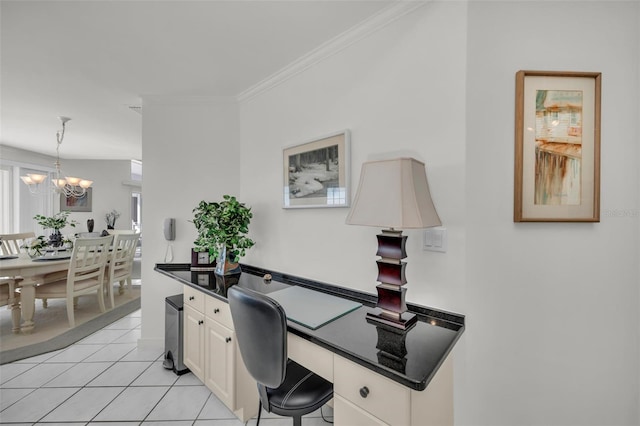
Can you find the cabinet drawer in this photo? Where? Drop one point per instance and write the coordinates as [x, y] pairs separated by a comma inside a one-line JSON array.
[[219, 311], [193, 298], [383, 398], [317, 359], [348, 414]]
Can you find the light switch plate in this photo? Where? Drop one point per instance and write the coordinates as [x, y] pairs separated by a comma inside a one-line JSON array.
[[435, 239]]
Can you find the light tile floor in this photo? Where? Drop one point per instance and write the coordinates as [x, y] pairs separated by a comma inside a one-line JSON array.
[[105, 379]]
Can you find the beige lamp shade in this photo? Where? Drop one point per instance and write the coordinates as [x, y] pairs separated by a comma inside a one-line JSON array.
[[394, 194]]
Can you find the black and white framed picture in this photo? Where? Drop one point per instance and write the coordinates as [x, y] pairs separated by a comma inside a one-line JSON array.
[[316, 173]]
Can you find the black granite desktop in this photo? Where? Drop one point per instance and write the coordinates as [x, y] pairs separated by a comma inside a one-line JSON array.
[[410, 358]]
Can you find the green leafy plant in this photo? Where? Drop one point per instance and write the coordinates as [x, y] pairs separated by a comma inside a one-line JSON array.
[[223, 224], [55, 222]]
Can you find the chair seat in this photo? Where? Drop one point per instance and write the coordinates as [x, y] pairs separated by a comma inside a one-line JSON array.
[[60, 287], [301, 392]]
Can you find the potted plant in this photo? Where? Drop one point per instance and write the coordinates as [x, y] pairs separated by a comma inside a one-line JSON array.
[[56, 223], [222, 229]]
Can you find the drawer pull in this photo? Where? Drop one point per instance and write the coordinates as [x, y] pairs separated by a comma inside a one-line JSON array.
[[228, 339], [364, 391], [216, 310], [200, 322], [191, 298]]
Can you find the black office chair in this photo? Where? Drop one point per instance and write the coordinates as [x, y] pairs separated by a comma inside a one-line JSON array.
[[285, 387]]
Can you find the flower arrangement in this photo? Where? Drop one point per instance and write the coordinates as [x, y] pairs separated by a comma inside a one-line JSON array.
[[35, 246], [110, 218], [55, 222]]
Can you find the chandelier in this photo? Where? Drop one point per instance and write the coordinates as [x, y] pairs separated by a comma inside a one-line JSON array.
[[69, 186]]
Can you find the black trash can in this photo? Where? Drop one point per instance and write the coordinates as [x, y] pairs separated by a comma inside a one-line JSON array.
[[173, 341]]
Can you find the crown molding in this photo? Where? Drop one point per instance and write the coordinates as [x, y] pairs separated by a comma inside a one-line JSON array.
[[333, 46]]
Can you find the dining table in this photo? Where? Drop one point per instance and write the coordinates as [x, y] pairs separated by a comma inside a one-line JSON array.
[[32, 272]]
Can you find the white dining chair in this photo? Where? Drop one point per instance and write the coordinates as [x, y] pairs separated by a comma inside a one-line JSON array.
[[12, 243], [121, 263], [85, 275]]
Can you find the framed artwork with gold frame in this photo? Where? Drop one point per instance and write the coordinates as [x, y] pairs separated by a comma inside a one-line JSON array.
[[557, 147]]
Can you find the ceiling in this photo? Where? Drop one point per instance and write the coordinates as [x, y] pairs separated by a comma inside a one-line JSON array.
[[93, 60]]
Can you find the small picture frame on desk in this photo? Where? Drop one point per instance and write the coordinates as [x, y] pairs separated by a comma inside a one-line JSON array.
[[201, 261]]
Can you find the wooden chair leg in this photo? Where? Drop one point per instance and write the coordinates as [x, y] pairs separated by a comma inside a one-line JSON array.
[[101, 300], [71, 303], [110, 291]]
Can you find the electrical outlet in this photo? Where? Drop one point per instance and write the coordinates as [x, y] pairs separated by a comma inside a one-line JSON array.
[[435, 239]]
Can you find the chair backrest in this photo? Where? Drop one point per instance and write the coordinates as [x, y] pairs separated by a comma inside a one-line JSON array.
[[261, 330], [120, 231], [124, 250], [12, 243], [88, 259]]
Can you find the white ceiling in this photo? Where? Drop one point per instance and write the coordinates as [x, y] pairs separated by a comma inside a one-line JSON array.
[[91, 60]]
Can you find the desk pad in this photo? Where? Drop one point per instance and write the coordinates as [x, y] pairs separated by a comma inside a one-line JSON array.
[[310, 308]]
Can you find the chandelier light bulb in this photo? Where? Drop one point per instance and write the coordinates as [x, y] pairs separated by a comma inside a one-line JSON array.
[[73, 181]]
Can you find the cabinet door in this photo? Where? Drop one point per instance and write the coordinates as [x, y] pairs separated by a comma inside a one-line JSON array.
[[348, 414], [220, 362], [194, 341]]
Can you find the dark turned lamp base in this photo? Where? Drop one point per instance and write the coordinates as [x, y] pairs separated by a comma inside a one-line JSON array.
[[392, 309], [404, 322]]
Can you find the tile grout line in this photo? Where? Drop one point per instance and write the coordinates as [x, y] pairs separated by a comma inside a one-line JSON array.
[[82, 387], [75, 363]]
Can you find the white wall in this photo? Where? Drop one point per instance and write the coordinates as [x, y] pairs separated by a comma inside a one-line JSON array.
[[108, 191], [400, 92], [190, 153], [552, 307]]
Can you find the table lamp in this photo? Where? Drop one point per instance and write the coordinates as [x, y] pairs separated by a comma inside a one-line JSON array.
[[393, 194]]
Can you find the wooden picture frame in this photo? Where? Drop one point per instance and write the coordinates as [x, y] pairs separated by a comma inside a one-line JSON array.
[[201, 261], [317, 173], [557, 147], [80, 204]]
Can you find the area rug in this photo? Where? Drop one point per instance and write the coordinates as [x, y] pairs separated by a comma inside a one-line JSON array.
[[52, 330]]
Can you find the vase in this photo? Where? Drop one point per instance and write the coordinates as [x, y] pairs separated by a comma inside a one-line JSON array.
[[226, 267], [90, 224], [34, 252], [55, 239]]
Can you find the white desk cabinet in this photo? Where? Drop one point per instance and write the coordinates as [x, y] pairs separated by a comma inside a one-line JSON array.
[[212, 354], [194, 341], [379, 378], [363, 397]]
